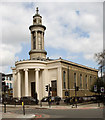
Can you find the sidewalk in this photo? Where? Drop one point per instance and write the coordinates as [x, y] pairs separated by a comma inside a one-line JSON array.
[[79, 106], [46, 106]]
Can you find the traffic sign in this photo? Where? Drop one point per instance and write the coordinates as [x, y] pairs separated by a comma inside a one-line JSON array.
[[102, 89]]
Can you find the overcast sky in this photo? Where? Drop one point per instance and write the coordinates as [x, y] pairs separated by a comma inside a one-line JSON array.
[[74, 31]]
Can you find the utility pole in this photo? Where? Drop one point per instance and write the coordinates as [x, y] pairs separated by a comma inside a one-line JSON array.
[[49, 96], [75, 95]]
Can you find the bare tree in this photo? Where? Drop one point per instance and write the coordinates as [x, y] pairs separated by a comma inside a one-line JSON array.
[[100, 58]]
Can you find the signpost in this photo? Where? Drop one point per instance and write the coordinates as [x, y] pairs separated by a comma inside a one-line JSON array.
[[48, 89], [76, 89], [102, 89], [95, 88]]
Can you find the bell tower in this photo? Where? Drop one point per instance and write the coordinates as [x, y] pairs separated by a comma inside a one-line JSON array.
[[37, 37]]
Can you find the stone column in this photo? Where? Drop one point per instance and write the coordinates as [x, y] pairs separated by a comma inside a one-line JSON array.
[[19, 84], [37, 81], [45, 81], [36, 39], [26, 82], [59, 82]]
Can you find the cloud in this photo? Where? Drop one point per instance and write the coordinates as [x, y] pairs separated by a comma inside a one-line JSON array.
[[15, 23], [75, 32], [67, 29]]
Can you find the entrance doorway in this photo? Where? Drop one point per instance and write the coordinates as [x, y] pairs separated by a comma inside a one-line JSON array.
[[32, 89], [54, 87]]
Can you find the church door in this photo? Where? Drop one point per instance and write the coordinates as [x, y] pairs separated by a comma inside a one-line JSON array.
[[32, 89], [54, 87]]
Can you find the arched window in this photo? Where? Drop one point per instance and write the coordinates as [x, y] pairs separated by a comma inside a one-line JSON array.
[[74, 77], [64, 82], [90, 81], [86, 81], [40, 21], [80, 81], [35, 21]]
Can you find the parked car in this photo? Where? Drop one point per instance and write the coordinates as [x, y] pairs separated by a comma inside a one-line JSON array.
[[55, 99], [16, 101], [45, 99], [67, 100], [71, 100], [28, 100]]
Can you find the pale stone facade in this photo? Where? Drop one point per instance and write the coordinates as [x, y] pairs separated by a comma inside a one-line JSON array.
[[33, 75]]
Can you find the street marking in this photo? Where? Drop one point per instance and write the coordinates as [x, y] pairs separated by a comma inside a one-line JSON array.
[[38, 116]]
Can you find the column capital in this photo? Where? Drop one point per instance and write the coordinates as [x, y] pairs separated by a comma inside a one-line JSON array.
[[25, 69], [37, 69], [17, 70]]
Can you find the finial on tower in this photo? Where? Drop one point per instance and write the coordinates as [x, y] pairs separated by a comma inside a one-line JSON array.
[[37, 10]]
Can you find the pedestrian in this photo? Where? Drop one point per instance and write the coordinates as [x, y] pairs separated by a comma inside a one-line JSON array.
[[73, 101]]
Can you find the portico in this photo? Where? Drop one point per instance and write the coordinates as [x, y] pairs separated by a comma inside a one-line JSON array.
[[23, 80]]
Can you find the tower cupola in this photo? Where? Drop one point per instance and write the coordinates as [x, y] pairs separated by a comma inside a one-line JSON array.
[[37, 37]]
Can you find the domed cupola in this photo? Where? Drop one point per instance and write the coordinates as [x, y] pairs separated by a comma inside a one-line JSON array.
[[37, 37]]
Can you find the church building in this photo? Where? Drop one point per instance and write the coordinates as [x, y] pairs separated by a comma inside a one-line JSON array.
[[34, 74]]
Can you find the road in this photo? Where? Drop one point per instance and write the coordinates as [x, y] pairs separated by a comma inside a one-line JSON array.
[[58, 113]]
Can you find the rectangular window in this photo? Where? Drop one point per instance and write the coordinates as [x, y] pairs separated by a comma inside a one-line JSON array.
[[74, 77], [10, 85], [5, 78], [64, 82], [68, 79], [8, 78], [80, 81]]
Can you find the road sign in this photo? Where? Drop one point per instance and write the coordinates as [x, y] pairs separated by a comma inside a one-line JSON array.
[[102, 89], [95, 88]]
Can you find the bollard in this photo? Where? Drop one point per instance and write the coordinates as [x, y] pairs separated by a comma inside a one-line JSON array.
[[23, 108], [76, 102], [49, 102], [4, 107], [40, 104], [15, 103]]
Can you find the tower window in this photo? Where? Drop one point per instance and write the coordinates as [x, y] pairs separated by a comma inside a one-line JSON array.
[[34, 42], [35, 21]]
